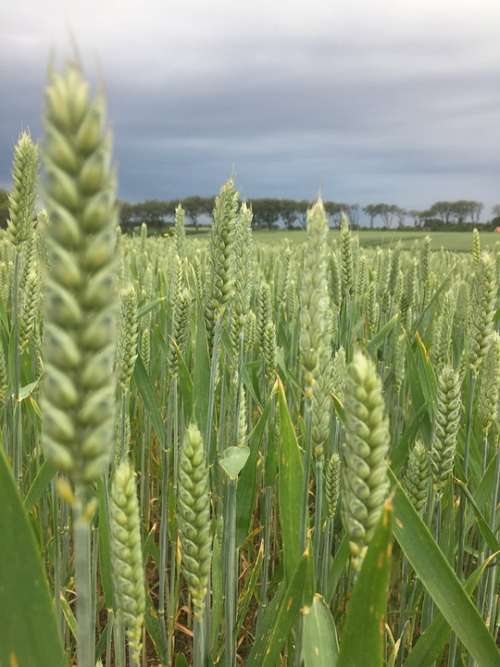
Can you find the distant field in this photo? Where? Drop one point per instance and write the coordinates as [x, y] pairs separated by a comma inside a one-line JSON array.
[[458, 241]]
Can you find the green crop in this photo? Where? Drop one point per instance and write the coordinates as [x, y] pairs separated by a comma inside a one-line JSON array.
[[218, 450]]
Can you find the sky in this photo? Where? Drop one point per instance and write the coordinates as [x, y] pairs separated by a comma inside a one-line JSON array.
[[394, 100]]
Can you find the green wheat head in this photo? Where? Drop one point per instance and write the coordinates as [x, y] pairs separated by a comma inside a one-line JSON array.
[[332, 486], [78, 396], [364, 481], [418, 476], [127, 340], [126, 552], [193, 504], [23, 195], [446, 424]]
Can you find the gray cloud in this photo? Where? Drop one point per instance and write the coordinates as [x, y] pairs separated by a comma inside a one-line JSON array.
[[399, 102]]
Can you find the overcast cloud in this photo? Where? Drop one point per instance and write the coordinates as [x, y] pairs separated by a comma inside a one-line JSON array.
[[394, 100]]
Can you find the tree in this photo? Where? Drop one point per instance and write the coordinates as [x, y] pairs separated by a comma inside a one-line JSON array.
[[388, 212], [288, 212], [127, 212], [354, 212], [422, 217], [196, 206], [334, 209], [371, 210], [416, 216], [459, 211], [266, 212], [462, 210], [496, 210], [302, 208], [444, 210], [400, 213], [476, 210]]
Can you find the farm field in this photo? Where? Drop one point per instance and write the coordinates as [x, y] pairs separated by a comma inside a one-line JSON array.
[[456, 241], [257, 450]]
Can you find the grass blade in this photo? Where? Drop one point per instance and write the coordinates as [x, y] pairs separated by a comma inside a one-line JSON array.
[[320, 645], [280, 616], [363, 638], [28, 630], [440, 581], [290, 487]]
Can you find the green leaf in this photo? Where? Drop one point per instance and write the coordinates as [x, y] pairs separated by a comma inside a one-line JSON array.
[[381, 335], [363, 637], [154, 631], [484, 529], [247, 481], [201, 374], [145, 388], [44, 476], [431, 643], [320, 646], [148, 307], [440, 580], [339, 564], [185, 386], [249, 590], [422, 383], [28, 629], [486, 487], [27, 390], [217, 589], [290, 485], [233, 460], [280, 616], [435, 297], [339, 408], [69, 617], [401, 448], [105, 569]]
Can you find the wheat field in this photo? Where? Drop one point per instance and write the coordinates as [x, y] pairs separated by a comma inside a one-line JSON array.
[[237, 452]]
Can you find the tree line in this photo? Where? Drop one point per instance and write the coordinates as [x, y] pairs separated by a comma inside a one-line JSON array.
[[267, 212], [291, 213]]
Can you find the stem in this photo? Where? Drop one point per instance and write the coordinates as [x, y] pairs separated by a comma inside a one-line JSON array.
[[199, 659], [123, 422], [427, 600], [326, 556], [94, 555], [267, 544], [172, 597], [491, 590], [162, 574], [461, 524], [17, 440], [81, 536], [132, 658], [209, 450], [437, 537], [144, 486], [119, 641], [318, 507], [230, 572], [403, 609], [463, 501], [481, 589], [109, 636], [57, 561], [304, 519]]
